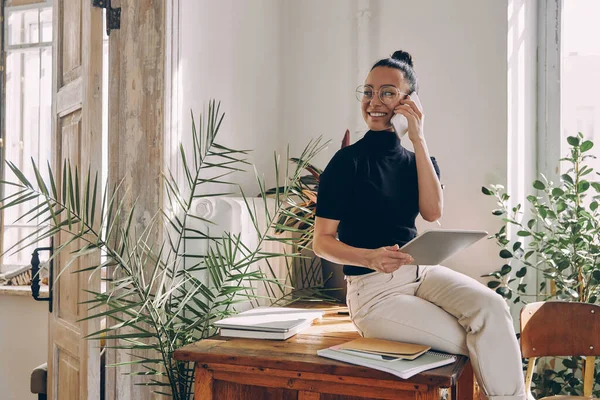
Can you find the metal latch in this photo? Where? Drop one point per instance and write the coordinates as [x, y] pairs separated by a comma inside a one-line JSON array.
[[113, 15]]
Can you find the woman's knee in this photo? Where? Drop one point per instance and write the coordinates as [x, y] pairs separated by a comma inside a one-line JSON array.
[[492, 304]]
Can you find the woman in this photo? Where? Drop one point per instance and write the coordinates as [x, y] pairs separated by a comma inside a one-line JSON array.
[[370, 193]]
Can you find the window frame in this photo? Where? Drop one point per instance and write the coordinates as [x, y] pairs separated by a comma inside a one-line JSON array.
[[4, 49], [549, 88]]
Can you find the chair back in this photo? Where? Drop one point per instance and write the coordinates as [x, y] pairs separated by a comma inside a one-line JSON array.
[[558, 328]]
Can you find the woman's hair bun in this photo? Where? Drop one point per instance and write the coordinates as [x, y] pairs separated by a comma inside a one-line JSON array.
[[403, 56]]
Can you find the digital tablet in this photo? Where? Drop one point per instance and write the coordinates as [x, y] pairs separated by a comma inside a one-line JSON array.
[[434, 246]]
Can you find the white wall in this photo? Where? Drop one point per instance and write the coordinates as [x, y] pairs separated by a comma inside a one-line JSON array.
[[23, 344], [303, 54], [319, 73], [230, 51]]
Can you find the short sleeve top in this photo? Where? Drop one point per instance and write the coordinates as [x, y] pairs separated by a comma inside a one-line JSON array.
[[371, 187]]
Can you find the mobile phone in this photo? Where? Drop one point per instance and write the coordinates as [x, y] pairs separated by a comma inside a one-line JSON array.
[[399, 121]]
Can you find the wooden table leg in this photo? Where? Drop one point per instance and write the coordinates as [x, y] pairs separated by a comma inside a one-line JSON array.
[[464, 389], [203, 383]]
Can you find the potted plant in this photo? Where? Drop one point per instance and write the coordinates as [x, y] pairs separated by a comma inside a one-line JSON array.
[[298, 217], [156, 299], [560, 239]]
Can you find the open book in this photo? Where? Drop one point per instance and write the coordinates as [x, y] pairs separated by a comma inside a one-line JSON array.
[[399, 367]]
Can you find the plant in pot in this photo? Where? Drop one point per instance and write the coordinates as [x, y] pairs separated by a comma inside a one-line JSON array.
[[560, 240], [161, 295], [298, 217]]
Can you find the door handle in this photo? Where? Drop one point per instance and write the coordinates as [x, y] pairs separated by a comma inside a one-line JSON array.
[[35, 274]]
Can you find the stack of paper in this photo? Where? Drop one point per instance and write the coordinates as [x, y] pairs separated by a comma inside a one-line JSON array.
[[401, 359], [277, 323]]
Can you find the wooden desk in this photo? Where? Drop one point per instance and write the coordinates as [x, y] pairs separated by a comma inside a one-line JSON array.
[[251, 369]]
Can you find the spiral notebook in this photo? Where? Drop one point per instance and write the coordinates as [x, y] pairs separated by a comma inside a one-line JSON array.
[[399, 367]]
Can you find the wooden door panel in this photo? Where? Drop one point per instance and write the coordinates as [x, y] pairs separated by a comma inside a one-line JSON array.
[[74, 362], [70, 20], [68, 374]]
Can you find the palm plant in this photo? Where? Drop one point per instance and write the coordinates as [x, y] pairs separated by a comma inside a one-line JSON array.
[[162, 294], [300, 213]]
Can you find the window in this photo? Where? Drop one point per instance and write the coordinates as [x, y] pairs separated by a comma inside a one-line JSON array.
[[27, 111], [569, 66], [580, 72]]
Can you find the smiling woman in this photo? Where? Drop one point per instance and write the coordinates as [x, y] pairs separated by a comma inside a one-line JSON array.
[[371, 193]]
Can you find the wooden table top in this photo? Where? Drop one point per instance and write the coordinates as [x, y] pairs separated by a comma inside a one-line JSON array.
[[299, 353]]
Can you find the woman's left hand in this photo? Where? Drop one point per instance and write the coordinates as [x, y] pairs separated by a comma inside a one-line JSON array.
[[415, 117]]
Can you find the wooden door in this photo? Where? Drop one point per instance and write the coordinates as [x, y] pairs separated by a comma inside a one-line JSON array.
[[73, 362]]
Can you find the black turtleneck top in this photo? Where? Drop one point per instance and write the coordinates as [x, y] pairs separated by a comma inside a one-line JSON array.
[[371, 187]]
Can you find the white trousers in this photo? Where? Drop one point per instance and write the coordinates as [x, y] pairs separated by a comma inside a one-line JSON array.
[[447, 310]]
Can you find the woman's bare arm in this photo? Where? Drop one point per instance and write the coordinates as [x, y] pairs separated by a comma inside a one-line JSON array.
[[431, 198], [326, 245]]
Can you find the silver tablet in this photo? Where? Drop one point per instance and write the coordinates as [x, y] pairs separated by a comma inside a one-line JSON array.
[[434, 246]]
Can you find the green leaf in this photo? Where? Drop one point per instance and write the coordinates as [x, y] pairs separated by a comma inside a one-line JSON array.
[[567, 178], [516, 246], [556, 192], [486, 191], [505, 269], [493, 284], [569, 363], [504, 292], [498, 212], [539, 185], [596, 185], [522, 272], [596, 274], [573, 141], [523, 233], [572, 293], [583, 186], [505, 253], [543, 212], [587, 145], [532, 199]]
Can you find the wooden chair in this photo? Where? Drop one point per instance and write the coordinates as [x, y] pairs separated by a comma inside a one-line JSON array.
[[558, 328]]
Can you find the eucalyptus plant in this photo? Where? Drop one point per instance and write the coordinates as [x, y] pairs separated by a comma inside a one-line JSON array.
[[560, 240], [166, 293]]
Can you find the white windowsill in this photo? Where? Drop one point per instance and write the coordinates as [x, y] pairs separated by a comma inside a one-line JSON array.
[[21, 291]]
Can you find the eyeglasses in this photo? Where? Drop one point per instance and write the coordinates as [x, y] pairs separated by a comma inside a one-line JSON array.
[[387, 94]]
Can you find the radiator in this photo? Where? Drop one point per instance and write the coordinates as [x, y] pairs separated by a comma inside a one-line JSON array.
[[230, 214]]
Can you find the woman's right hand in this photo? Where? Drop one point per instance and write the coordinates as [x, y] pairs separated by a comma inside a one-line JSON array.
[[387, 259]]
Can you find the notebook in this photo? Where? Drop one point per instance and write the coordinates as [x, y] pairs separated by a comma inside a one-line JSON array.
[[270, 319], [401, 368], [384, 349], [253, 334]]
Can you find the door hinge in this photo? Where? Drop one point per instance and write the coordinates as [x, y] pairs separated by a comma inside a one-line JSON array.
[[113, 15]]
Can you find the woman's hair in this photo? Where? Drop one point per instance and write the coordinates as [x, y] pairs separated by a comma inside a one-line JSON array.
[[403, 61]]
